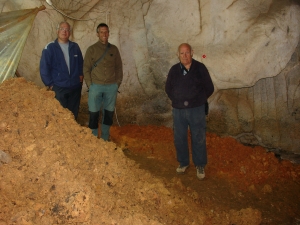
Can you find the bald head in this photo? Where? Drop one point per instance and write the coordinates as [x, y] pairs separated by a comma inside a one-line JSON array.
[[185, 45], [185, 54]]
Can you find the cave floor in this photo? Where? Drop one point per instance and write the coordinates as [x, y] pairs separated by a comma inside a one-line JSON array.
[[237, 176], [56, 173]]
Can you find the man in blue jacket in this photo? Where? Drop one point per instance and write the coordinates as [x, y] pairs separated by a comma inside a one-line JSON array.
[[188, 86], [61, 69]]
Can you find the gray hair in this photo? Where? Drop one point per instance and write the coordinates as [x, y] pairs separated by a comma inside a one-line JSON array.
[[58, 25], [186, 44]]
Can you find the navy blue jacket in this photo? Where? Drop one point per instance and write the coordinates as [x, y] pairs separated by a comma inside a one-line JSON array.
[[54, 70], [190, 90]]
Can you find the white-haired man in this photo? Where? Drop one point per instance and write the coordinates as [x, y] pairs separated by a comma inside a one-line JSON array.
[[188, 86], [61, 69]]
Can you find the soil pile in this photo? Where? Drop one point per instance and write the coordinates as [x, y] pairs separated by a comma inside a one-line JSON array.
[[54, 171]]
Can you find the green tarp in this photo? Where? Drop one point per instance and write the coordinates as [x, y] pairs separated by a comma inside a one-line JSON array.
[[14, 29]]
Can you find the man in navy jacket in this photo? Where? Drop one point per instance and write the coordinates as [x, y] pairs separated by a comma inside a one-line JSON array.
[[61, 69], [188, 86]]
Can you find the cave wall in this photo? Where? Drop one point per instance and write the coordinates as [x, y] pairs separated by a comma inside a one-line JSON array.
[[267, 114], [250, 48]]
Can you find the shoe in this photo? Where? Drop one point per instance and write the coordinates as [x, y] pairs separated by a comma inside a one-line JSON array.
[[200, 172], [181, 169]]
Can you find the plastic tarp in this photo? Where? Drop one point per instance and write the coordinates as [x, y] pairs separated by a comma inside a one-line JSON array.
[[14, 29]]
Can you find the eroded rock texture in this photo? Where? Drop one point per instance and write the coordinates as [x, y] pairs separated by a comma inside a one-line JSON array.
[[266, 114], [250, 48]]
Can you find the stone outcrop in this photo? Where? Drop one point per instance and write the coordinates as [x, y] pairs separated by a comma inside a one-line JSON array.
[[266, 114], [250, 50]]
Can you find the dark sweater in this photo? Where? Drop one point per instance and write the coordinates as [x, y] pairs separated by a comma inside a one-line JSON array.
[[190, 90]]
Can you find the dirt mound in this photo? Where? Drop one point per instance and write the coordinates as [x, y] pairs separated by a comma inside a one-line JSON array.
[[54, 171]]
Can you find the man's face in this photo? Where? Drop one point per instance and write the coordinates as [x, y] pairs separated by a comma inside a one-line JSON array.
[[63, 32], [185, 55], [103, 34]]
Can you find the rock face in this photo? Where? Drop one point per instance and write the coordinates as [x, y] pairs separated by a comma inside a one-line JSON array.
[[251, 53], [266, 114]]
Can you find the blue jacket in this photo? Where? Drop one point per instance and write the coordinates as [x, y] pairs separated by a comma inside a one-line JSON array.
[[54, 70]]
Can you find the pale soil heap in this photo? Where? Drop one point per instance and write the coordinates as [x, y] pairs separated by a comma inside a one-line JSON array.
[[54, 171]]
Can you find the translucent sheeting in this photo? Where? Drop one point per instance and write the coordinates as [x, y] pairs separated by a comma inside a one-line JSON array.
[[14, 29]]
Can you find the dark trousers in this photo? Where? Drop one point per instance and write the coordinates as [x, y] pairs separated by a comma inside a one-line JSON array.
[[69, 98], [193, 119]]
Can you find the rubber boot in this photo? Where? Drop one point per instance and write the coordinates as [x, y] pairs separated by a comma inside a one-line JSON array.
[[105, 132], [95, 132]]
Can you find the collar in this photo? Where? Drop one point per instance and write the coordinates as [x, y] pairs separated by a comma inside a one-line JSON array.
[[183, 69]]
